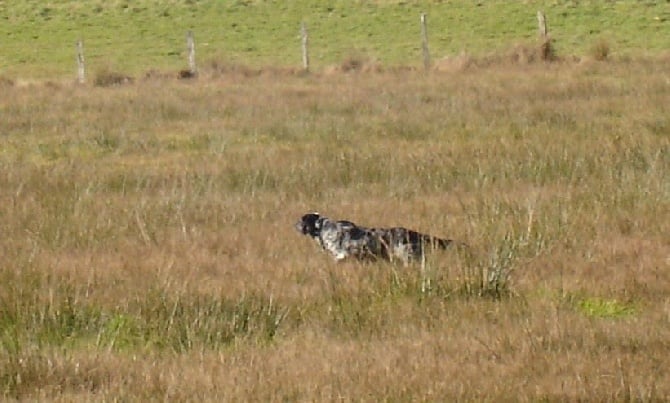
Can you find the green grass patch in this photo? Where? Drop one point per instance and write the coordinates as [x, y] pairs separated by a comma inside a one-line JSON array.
[[605, 308], [41, 310], [135, 37]]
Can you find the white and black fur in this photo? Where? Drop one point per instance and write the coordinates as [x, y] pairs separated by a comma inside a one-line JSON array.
[[345, 239]]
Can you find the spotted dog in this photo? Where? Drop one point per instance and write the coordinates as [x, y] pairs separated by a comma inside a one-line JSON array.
[[345, 239]]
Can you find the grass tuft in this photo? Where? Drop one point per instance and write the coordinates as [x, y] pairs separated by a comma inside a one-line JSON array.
[[109, 78], [600, 50]]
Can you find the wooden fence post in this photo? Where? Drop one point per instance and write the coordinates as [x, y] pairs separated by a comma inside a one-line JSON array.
[[190, 46], [546, 49], [81, 68], [424, 42], [305, 49], [542, 25]]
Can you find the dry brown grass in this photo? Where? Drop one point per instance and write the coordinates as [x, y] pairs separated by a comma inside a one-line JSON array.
[[149, 251]]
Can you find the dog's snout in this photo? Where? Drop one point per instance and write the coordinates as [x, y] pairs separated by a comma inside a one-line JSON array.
[[299, 227]]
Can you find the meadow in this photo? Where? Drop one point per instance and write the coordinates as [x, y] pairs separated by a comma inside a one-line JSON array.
[[148, 249], [38, 38]]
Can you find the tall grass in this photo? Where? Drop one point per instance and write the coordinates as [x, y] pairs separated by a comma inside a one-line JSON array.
[[148, 252]]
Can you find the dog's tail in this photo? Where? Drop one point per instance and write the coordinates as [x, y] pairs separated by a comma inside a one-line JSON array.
[[441, 243], [436, 242]]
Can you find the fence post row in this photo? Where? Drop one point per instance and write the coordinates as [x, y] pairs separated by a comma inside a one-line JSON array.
[[193, 71], [305, 50], [81, 68], [424, 42]]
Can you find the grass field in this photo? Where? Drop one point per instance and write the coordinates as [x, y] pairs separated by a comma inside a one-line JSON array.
[[37, 38], [147, 244]]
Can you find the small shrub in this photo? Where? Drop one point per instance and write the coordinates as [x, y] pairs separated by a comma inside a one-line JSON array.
[[186, 74], [352, 63], [154, 74], [547, 51], [6, 82], [358, 61], [216, 69], [600, 50], [109, 78]]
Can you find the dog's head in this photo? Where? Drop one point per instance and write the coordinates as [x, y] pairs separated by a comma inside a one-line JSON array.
[[309, 224]]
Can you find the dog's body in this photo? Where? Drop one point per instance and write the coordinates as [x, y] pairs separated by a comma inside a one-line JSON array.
[[345, 239]]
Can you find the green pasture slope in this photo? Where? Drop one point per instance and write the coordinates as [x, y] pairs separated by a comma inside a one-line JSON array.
[[37, 37]]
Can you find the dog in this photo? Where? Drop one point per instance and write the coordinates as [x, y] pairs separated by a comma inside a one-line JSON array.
[[344, 239]]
